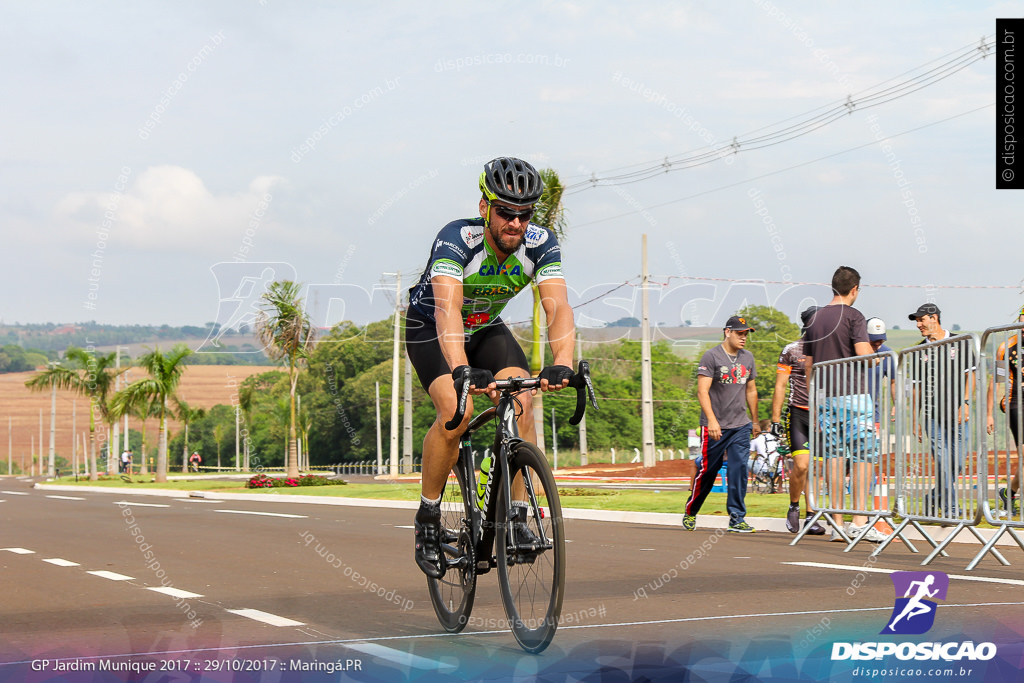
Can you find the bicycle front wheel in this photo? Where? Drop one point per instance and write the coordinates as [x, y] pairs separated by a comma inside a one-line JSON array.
[[452, 595], [531, 574]]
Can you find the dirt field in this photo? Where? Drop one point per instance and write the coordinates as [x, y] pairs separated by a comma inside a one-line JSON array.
[[202, 385]]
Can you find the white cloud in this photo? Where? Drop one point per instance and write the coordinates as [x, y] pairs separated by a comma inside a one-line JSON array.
[[166, 207]]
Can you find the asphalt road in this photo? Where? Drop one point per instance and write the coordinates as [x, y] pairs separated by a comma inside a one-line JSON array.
[[335, 589]]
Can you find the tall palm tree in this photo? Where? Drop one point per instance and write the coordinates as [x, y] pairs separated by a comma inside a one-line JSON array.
[[164, 376], [286, 332], [219, 431], [94, 377], [549, 213], [187, 415]]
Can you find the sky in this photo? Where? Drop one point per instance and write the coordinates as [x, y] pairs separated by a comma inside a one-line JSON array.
[[161, 162]]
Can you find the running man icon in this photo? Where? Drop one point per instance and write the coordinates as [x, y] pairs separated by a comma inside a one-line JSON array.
[[915, 588]]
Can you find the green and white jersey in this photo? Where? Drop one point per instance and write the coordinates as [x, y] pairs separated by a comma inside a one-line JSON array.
[[461, 252]]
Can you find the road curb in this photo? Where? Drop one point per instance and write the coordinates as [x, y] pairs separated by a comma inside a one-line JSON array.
[[770, 524]]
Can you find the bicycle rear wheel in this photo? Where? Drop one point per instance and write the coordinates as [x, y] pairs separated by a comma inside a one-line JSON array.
[[532, 582], [452, 595]]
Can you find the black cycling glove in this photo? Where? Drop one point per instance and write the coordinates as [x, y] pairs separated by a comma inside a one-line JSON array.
[[478, 377], [554, 374], [776, 430]]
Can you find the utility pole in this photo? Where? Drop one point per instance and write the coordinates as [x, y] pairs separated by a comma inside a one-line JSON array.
[[407, 416], [53, 426], [554, 439], [40, 444], [116, 437], [10, 447], [646, 390], [74, 436], [395, 386], [583, 422]]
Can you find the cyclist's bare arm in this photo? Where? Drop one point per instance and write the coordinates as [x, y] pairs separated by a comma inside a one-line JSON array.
[[779, 395], [450, 331], [561, 328]]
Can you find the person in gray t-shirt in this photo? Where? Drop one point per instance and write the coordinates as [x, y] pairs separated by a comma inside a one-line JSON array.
[[726, 391]]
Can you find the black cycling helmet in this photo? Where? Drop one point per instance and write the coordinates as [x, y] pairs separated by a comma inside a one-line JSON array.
[[511, 180]]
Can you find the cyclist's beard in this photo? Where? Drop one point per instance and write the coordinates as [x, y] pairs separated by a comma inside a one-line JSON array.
[[508, 243]]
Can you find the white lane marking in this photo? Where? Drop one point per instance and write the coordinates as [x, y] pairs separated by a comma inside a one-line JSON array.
[[196, 500], [20, 551], [265, 617], [403, 659], [66, 497], [963, 577], [131, 503], [61, 563], [173, 592], [647, 550], [15, 493], [265, 514], [404, 526], [113, 576]]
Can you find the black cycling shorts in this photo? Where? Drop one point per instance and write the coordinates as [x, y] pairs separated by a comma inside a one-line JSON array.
[[493, 348], [799, 427]]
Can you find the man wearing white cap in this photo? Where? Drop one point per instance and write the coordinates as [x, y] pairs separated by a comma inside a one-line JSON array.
[[885, 368]]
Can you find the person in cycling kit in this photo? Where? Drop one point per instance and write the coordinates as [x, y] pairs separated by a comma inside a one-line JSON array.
[[476, 266]]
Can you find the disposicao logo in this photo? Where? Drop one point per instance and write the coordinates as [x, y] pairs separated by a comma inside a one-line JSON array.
[[914, 612]]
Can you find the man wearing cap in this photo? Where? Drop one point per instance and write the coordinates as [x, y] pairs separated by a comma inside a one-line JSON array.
[[726, 391], [884, 369], [943, 380], [844, 406], [790, 370]]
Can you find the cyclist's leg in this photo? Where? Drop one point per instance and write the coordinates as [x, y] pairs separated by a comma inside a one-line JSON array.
[[799, 419]]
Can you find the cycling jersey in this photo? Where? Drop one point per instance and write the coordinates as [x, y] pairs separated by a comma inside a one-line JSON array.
[[460, 251]]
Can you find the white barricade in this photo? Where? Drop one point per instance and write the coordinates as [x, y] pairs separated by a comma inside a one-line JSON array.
[[1003, 413], [852, 458]]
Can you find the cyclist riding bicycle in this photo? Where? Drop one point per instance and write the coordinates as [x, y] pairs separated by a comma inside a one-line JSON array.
[[476, 267]]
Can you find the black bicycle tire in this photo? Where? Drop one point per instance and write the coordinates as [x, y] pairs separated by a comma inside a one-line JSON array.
[[442, 590], [533, 640]]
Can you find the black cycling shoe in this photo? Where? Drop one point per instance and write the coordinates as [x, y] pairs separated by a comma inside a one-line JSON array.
[[428, 541], [523, 535]]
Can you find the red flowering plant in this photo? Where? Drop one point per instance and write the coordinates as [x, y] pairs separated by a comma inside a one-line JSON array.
[[262, 481]]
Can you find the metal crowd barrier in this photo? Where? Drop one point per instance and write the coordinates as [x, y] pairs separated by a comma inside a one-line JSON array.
[[1001, 460], [940, 479], [852, 462]]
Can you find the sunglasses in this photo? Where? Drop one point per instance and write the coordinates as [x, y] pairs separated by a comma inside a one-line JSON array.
[[509, 214]]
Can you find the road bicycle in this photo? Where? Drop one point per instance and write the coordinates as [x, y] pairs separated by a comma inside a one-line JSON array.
[[768, 473], [515, 484]]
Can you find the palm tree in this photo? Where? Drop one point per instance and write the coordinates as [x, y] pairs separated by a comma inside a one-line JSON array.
[[218, 437], [94, 377], [287, 333], [164, 376], [187, 415], [549, 213]]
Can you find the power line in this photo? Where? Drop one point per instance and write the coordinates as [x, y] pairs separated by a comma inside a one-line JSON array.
[[781, 170], [780, 132]]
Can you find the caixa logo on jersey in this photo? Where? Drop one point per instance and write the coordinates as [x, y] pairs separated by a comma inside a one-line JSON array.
[[913, 613]]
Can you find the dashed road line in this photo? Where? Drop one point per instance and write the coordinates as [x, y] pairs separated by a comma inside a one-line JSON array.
[[878, 570], [264, 514], [196, 500], [15, 493], [403, 659], [265, 617], [141, 505], [20, 551], [62, 563], [113, 576], [66, 497], [173, 592]]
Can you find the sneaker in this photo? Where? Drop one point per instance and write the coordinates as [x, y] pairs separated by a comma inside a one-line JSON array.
[[428, 540], [741, 528], [689, 522], [1006, 505], [871, 534], [793, 519], [815, 529], [836, 537]]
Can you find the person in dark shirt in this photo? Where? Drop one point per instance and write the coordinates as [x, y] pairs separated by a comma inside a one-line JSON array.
[[1008, 375], [845, 411]]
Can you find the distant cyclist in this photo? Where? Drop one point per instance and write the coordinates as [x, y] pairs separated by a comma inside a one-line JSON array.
[[476, 266], [194, 461]]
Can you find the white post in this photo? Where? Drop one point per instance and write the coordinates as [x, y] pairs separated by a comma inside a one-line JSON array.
[[613, 455], [50, 472], [10, 447], [380, 465], [554, 437], [583, 422], [407, 416]]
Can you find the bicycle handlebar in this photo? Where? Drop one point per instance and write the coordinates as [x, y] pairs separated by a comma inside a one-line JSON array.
[[580, 381]]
